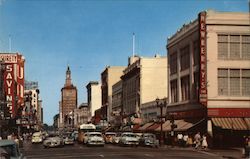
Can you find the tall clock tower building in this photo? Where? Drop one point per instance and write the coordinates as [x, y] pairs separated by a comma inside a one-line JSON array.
[[68, 102]]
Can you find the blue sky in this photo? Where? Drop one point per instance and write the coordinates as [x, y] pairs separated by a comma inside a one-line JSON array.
[[90, 35]]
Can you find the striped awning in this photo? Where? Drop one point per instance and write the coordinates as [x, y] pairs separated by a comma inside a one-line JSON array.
[[153, 127], [182, 125], [230, 123], [144, 127], [247, 120]]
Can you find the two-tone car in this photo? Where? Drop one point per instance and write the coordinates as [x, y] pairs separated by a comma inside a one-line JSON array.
[[129, 139], [95, 139], [53, 141], [149, 139]]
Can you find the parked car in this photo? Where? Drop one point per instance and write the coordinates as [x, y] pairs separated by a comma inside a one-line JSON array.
[[53, 141], [116, 139], [129, 138], [95, 138], [74, 135], [109, 137], [149, 139], [68, 140], [10, 149], [37, 137]]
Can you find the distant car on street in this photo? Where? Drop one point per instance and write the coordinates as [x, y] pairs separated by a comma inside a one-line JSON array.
[[10, 149], [129, 138], [116, 139], [53, 141], [95, 139], [37, 137], [109, 137], [149, 139], [68, 140]]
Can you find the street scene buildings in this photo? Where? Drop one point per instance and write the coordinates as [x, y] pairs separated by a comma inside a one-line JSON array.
[[201, 85]]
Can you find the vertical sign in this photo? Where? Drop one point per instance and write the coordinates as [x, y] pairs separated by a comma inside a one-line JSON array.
[[9, 84], [13, 81], [203, 59]]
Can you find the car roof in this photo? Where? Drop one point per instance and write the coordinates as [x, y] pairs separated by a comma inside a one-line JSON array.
[[129, 133], [7, 142], [94, 133], [108, 133]]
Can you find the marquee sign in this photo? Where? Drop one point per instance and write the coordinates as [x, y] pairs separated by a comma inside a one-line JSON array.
[[203, 59]]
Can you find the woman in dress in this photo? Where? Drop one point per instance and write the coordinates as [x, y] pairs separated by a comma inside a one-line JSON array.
[[204, 142]]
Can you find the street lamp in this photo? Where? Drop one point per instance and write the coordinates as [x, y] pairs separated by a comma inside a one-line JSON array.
[[161, 105]]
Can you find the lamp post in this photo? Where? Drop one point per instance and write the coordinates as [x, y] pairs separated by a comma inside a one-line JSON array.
[[161, 105]]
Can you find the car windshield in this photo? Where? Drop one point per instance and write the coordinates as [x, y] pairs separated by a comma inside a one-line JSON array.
[[149, 136], [92, 135], [11, 150], [129, 135]]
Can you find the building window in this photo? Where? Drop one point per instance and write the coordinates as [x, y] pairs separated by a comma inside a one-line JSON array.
[[196, 85], [234, 82], [234, 47], [246, 47], [173, 86], [196, 56], [185, 89], [184, 58], [245, 82], [222, 81], [222, 46], [173, 63]]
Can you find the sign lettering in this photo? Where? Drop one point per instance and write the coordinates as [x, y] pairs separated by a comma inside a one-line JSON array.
[[203, 62]]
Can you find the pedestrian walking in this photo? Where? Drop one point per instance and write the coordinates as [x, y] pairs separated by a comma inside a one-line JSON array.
[[180, 139], [185, 140], [204, 142], [197, 140], [190, 141]]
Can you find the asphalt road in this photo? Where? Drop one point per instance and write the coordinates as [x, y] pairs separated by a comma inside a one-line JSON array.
[[78, 151]]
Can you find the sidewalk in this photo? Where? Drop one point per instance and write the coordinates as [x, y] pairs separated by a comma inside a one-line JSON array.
[[227, 153], [230, 153]]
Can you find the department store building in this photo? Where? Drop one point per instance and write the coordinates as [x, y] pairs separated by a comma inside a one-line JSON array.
[[209, 75]]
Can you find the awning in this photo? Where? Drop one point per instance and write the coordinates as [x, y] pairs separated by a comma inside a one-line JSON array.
[[247, 120], [166, 126], [182, 125], [136, 127], [153, 127], [145, 126], [231, 123]]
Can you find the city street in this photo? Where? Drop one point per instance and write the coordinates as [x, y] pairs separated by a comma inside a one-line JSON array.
[[36, 151]]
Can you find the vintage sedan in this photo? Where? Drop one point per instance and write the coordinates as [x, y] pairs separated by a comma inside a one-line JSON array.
[[109, 137], [53, 141], [37, 137], [68, 140], [10, 149], [129, 139], [95, 139], [149, 139]]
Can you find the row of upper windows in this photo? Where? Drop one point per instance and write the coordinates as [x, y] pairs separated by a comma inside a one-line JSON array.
[[233, 47], [230, 47]]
